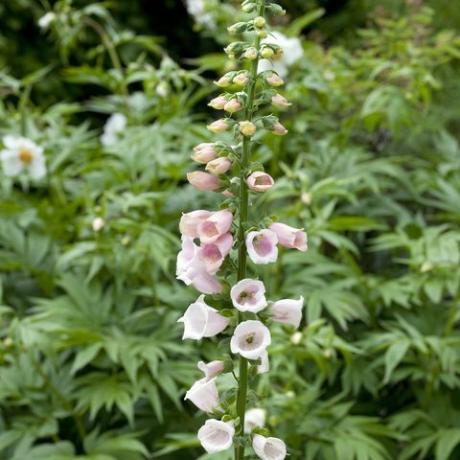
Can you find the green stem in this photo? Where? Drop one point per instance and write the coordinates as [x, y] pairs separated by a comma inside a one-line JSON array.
[[243, 219]]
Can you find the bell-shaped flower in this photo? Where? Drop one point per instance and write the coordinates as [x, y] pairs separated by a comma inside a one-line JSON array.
[[259, 181], [290, 237], [269, 448], [200, 320], [211, 369], [264, 365], [189, 222], [204, 153], [216, 225], [287, 311], [213, 254], [216, 436], [204, 395], [250, 339], [249, 295], [21, 154], [262, 246], [203, 181], [254, 418]]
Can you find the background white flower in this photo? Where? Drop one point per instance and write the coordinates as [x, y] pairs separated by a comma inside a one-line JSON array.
[[21, 154], [113, 127], [197, 9]]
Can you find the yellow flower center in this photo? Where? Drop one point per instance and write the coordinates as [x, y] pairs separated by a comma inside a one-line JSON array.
[[26, 156]]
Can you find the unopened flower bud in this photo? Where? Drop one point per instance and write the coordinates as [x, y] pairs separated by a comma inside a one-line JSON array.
[[296, 338], [248, 7], [223, 82], [280, 102], [203, 181], [278, 129], [233, 105], [262, 33], [259, 22], [274, 80], [218, 102], [219, 166], [250, 53], [247, 128], [218, 126], [98, 224], [241, 79], [204, 153], [267, 52]]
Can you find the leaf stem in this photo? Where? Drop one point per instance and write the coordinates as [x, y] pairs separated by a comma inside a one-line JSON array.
[[243, 218]]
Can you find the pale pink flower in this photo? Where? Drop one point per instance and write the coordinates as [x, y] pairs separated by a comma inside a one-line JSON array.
[[259, 181], [216, 436], [204, 153], [200, 320], [262, 247], [290, 237], [218, 126], [280, 101], [269, 448], [250, 339], [206, 283], [211, 369], [213, 254], [241, 79], [203, 181], [274, 80], [204, 395], [278, 129], [219, 166], [218, 102], [217, 224], [233, 105], [189, 222], [254, 418], [287, 311], [223, 82], [249, 295], [264, 365]]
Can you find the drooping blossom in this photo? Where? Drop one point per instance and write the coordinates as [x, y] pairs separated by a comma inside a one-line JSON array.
[[287, 311], [216, 436], [204, 395], [22, 155], [290, 237], [203, 181], [214, 226], [204, 153], [259, 181], [254, 418], [189, 222], [269, 448], [250, 339], [278, 129], [262, 246], [213, 254], [248, 295], [115, 125], [211, 369], [264, 365], [219, 166], [200, 320]]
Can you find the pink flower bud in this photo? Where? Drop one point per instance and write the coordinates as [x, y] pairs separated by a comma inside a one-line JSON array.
[[218, 126], [251, 53], [189, 222], [254, 418], [216, 436], [274, 80], [278, 129], [280, 102], [211, 369], [219, 166], [204, 153], [216, 225], [218, 102], [247, 128], [249, 295], [233, 105], [262, 247], [250, 339], [287, 311], [241, 79], [204, 395], [269, 448], [203, 181], [259, 181], [223, 82], [200, 320], [290, 237]]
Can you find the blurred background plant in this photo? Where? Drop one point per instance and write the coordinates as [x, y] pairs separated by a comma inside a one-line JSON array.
[[90, 366]]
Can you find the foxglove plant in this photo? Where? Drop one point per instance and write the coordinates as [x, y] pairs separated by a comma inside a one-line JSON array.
[[232, 303]]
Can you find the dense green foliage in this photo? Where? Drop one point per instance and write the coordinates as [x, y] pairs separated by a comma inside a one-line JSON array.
[[92, 365]]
